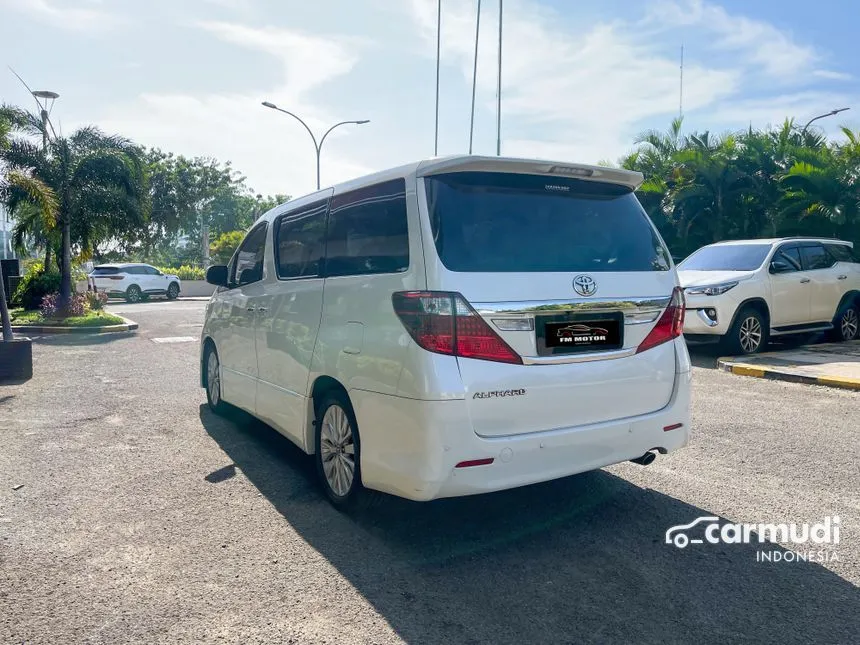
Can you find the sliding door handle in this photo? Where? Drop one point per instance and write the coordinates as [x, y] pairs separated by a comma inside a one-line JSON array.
[[842, 277], [804, 280]]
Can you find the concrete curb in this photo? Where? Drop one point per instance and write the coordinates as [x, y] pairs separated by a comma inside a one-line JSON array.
[[745, 369], [128, 325]]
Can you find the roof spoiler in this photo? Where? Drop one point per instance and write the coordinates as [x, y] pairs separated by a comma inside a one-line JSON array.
[[628, 178]]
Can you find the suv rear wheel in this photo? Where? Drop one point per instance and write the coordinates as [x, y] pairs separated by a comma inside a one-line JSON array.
[[133, 294], [847, 323], [749, 333]]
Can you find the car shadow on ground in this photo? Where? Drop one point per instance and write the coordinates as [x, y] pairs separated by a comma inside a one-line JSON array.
[[581, 559]]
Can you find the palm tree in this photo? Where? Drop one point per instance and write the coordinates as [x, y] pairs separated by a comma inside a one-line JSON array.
[[14, 185], [711, 185], [98, 181]]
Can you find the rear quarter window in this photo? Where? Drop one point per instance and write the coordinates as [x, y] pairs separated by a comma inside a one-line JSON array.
[[106, 271], [841, 252], [367, 231], [512, 223]]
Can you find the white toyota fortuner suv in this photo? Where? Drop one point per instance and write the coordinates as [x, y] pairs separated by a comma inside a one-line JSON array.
[[745, 291], [455, 326]]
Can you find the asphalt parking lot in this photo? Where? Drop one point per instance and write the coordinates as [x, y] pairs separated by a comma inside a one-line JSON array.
[[139, 516]]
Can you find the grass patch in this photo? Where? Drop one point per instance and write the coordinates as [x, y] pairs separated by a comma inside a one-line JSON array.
[[90, 319]]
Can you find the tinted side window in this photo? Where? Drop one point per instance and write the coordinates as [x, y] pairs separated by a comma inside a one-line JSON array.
[[249, 257], [300, 242], [840, 252], [367, 231], [150, 270], [134, 270], [789, 255], [816, 257]]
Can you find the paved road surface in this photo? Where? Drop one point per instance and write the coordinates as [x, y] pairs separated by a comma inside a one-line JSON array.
[[144, 518]]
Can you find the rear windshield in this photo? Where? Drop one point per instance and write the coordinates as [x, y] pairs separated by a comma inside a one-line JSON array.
[[503, 222], [105, 270], [731, 257]]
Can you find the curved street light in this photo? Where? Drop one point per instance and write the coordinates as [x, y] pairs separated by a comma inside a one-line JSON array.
[[821, 116], [317, 146]]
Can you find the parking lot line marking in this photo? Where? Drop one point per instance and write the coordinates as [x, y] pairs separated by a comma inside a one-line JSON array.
[[175, 339]]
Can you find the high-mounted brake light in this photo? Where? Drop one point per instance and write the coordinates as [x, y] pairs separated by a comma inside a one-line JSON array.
[[670, 325], [444, 323]]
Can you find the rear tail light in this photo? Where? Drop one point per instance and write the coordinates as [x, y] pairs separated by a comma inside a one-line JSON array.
[[444, 323], [669, 326]]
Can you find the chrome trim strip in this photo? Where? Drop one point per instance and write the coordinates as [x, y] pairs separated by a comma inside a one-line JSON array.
[[631, 305], [705, 318], [579, 358]]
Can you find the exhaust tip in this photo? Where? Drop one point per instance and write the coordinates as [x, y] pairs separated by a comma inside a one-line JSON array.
[[645, 459]]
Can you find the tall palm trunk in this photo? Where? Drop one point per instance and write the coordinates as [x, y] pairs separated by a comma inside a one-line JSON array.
[[48, 256], [66, 266]]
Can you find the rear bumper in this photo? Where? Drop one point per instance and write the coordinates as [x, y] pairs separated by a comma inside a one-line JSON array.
[[410, 448]]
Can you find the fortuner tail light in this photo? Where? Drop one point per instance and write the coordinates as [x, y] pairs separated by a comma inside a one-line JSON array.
[[669, 326], [444, 323]]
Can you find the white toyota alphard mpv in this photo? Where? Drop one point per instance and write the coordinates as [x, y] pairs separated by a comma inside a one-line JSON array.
[[455, 326]]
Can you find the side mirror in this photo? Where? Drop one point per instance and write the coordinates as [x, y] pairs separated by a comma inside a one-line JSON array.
[[217, 275], [780, 266]]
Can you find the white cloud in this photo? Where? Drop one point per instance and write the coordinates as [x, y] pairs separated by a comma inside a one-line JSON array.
[[587, 91], [59, 14], [272, 150], [831, 75], [757, 44]]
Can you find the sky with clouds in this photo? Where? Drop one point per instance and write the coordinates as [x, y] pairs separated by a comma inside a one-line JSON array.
[[580, 79]]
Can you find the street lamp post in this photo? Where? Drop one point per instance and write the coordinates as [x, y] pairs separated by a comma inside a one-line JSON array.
[[821, 116], [317, 146]]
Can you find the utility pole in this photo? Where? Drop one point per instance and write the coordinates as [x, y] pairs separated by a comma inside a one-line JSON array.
[[438, 61], [499, 91], [474, 77], [681, 90]]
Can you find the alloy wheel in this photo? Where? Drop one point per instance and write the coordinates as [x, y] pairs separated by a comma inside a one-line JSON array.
[[213, 379], [750, 334], [337, 451], [849, 324]]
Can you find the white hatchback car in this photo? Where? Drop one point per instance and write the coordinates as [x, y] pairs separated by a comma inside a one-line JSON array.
[[134, 281], [455, 326], [745, 291]]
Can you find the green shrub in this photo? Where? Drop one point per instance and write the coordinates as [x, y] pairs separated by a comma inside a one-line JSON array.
[[96, 301], [225, 245], [185, 272], [34, 286]]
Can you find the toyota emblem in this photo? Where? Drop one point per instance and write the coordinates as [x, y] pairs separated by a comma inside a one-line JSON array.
[[584, 285]]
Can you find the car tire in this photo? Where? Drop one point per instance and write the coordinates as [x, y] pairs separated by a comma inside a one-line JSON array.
[[749, 333], [846, 324], [338, 452], [173, 291], [212, 365], [133, 294]]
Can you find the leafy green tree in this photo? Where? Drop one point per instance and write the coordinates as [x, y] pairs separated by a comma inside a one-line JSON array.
[[16, 187], [222, 249], [700, 189], [187, 193], [97, 180]]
